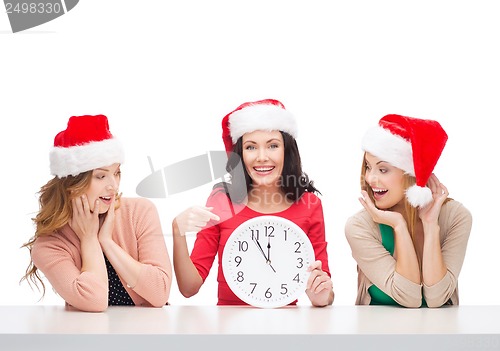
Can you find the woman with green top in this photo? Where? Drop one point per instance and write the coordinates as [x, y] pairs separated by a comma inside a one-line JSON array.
[[410, 239]]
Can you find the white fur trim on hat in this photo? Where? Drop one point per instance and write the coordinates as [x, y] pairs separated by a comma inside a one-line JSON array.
[[65, 161], [390, 148], [418, 196], [261, 117]]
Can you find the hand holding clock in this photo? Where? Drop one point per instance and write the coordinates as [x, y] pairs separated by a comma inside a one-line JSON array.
[[319, 286]]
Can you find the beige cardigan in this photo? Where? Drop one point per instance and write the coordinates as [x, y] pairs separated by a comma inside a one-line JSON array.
[[377, 266]]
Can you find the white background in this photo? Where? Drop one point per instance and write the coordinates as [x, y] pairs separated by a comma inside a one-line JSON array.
[[166, 72]]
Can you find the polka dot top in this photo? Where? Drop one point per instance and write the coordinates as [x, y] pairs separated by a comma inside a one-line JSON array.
[[117, 295]]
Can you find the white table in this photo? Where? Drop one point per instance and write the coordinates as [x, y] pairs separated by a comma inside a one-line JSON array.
[[246, 328]]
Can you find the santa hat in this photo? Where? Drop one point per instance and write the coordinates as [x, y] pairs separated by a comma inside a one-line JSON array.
[[411, 144], [265, 114], [86, 144]]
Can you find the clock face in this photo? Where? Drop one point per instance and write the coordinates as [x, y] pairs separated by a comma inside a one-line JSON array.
[[265, 261]]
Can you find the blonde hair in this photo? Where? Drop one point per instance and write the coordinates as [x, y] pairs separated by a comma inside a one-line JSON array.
[[55, 212]]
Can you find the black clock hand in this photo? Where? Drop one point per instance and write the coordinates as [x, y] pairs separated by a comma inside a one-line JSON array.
[[263, 254], [269, 253], [269, 249], [260, 248]]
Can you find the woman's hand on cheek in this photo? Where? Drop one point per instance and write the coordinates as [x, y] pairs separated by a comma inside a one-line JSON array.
[[84, 222], [389, 218], [430, 213]]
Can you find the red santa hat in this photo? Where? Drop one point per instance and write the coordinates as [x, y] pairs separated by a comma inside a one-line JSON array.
[[268, 114], [86, 144], [411, 144]]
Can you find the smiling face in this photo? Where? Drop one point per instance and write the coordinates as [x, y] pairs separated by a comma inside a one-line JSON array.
[[263, 156], [104, 186], [385, 181]]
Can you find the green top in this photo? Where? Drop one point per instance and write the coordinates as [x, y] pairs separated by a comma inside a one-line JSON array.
[[378, 297]]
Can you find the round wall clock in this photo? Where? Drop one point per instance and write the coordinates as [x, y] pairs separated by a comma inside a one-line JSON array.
[[265, 261]]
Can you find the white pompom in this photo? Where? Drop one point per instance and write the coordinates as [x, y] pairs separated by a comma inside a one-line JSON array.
[[418, 196]]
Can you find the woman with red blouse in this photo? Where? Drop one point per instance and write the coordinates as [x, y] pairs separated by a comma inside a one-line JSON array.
[[261, 136]]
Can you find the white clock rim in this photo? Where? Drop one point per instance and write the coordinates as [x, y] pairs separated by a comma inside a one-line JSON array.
[[260, 219]]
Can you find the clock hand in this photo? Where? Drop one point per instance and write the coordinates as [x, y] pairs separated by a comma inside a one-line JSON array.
[[269, 253], [260, 248], [269, 249], [263, 254], [270, 265]]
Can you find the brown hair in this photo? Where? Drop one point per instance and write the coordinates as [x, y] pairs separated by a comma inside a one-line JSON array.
[[55, 212]]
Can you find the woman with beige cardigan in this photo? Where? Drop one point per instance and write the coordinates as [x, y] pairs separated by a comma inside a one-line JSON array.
[[410, 239]]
